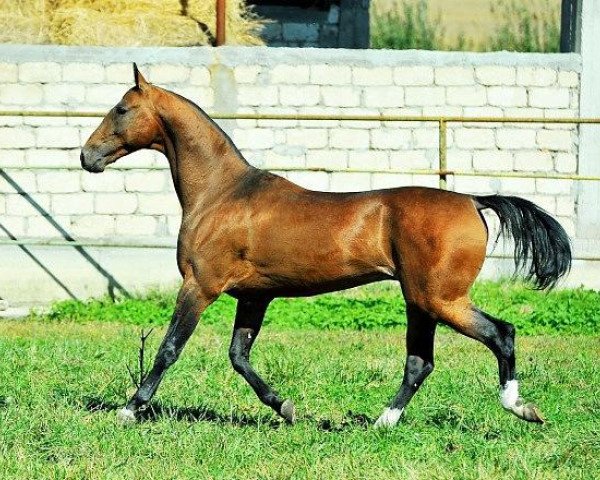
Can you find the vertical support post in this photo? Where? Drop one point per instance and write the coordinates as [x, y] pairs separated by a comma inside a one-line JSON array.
[[570, 26], [442, 153], [220, 40], [588, 213]]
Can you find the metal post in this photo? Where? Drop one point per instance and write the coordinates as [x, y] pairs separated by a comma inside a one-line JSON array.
[[570, 26], [442, 153], [220, 40]]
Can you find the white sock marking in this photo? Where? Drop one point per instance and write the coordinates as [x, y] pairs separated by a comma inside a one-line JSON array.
[[509, 394], [389, 418], [125, 416]]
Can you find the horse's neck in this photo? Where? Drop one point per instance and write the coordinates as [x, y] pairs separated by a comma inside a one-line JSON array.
[[203, 160]]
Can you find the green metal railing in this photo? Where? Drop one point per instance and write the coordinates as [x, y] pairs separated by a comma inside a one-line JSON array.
[[443, 172]]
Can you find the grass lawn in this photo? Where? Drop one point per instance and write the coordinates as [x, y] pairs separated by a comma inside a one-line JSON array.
[[61, 382]]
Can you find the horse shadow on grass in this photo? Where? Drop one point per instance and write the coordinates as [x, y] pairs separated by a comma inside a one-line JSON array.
[[351, 421], [158, 411]]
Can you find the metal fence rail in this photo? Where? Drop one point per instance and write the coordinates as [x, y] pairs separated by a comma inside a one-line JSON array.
[[442, 171]]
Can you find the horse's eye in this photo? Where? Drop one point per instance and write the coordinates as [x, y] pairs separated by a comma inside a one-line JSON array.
[[121, 110]]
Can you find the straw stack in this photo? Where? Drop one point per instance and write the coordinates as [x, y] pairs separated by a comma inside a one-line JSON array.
[[23, 21], [124, 22]]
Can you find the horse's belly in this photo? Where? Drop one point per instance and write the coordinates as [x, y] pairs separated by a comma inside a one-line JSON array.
[[297, 287], [293, 277]]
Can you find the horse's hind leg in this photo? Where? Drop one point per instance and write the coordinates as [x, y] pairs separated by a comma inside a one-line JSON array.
[[499, 337], [419, 363], [248, 320]]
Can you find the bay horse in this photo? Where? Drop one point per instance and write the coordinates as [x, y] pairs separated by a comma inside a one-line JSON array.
[[257, 236]]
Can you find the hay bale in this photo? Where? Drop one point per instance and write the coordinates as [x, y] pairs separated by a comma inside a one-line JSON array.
[[124, 22], [23, 21], [24, 7], [168, 7], [23, 29], [82, 26]]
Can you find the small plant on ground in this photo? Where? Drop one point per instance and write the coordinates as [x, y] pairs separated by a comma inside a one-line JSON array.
[[142, 373]]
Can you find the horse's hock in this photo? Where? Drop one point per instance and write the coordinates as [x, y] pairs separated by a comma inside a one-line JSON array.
[[45, 196]]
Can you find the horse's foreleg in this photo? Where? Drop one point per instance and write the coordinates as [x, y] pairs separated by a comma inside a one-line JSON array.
[[191, 302], [248, 320], [499, 337], [419, 363]]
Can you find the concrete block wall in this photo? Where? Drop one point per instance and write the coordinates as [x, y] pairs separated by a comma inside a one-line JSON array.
[[129, 205]]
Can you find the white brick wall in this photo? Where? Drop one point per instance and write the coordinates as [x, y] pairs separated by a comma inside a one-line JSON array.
[[348, 138], [39, 72], [454, 75], [88, 73], [340, 96], [21, 94], [330, 74], [495, 75], [58, 182], [299, 95], [290, 74], [133, 203], [413, 75], [372, 76]]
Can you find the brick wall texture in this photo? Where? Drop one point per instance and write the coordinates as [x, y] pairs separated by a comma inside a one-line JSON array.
[[134, 198]]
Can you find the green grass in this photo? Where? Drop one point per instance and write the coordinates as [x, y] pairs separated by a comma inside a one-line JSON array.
[[406, 26], [377, 306], [514, 26], [60, 384], [521, 30]]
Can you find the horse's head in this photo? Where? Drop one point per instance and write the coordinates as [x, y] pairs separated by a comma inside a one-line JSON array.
[[131, 125]]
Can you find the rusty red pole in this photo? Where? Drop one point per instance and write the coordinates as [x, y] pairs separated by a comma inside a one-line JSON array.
[[220, 22]]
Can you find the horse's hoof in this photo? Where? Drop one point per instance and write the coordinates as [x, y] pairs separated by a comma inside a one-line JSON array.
[[389, 418], [288, 411], [527, 411], [125, 417]]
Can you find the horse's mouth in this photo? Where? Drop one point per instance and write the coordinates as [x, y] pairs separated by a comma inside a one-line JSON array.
[[97, 167], [100, 163]]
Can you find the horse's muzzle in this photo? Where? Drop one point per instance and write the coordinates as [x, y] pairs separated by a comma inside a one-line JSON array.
[[91, 162]]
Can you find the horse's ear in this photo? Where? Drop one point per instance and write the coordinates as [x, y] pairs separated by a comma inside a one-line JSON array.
[[140, 81]]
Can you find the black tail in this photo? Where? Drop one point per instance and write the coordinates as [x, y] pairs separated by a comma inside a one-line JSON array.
[[542, 247]]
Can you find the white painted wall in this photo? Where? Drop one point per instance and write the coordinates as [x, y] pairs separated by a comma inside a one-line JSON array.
[[140, 204]]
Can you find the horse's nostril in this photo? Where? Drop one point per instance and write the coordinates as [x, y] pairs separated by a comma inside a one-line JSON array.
[[82, 158]]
